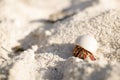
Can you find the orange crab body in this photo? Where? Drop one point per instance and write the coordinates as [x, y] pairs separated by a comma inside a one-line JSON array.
[[82, 53]]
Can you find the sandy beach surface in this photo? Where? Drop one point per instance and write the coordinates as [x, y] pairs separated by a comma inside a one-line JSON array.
[[37, 38]]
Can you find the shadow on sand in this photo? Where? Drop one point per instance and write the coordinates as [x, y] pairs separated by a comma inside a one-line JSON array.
[[62, 50], [75, 6]]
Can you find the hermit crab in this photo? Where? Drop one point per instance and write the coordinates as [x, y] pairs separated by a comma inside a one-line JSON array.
[[85, 47]]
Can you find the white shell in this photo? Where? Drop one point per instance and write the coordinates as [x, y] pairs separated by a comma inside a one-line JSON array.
[[88, 42]]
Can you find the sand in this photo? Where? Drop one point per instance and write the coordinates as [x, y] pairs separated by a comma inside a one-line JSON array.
[[36, 43]]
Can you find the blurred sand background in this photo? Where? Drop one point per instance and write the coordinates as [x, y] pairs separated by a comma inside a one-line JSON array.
[[37, 38]]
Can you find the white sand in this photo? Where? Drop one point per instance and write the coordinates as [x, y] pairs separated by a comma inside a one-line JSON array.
[[48, 46]]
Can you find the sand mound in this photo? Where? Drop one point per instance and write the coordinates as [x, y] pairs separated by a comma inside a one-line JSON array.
[[76, 69]]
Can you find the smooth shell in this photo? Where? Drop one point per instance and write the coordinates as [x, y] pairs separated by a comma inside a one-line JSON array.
[[88, 42]]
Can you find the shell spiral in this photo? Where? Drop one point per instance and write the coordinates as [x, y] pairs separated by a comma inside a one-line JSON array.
[[88, 42]]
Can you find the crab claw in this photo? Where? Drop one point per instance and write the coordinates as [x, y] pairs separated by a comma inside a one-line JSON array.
[[92, 57]]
